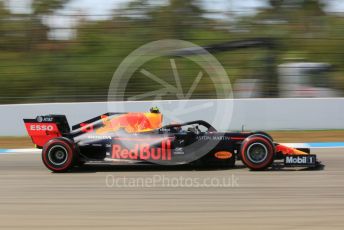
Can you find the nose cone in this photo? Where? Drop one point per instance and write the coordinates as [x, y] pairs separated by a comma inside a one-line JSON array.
[[285, 150]]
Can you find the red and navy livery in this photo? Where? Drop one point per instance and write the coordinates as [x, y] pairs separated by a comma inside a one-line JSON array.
[[140, 138]]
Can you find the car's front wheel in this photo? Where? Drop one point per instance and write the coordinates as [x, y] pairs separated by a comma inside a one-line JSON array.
[[59, 154], [257, 152]]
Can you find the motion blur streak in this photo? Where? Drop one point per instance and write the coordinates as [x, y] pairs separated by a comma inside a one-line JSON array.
[[57, 51], [81, 200]]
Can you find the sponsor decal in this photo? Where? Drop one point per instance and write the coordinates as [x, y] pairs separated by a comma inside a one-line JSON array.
[[40, 133], [44, 119], [300, 160], [213, 138], [99, 137], [164, 130], [178, 151], [143, 151], [223, 155], [41, 127]]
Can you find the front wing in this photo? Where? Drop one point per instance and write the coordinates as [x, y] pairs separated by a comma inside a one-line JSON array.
[[294, 157]]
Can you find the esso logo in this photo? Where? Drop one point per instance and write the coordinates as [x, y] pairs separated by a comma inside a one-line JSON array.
[[41, 127]]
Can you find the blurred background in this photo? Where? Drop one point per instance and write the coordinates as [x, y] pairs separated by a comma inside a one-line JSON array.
[[68, 50]]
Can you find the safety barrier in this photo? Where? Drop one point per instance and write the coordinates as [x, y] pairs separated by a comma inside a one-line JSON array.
[[253, 114]]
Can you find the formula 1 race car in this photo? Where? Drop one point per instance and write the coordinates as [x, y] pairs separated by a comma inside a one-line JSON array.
[[140, 138]]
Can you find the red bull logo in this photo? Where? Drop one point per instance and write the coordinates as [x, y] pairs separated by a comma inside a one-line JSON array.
[[143, 151]]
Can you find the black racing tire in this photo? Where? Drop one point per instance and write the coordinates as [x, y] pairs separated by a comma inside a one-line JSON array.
[[257, 152], [59, 155]]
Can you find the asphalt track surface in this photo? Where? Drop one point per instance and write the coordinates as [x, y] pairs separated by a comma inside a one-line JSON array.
[[33, 198]]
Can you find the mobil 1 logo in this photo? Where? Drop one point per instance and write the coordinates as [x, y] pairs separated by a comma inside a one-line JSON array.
[[300, 160]]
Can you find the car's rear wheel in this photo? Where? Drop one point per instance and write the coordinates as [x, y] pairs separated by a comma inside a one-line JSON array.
[[59, 155], [257, 152]]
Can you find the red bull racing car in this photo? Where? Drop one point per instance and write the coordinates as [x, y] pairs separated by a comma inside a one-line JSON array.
[[140, 138]]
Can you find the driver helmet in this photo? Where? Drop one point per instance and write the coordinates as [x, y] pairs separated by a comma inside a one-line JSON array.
[[154, 109]]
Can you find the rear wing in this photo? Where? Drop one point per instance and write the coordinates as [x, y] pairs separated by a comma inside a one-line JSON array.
[[44, 128]]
